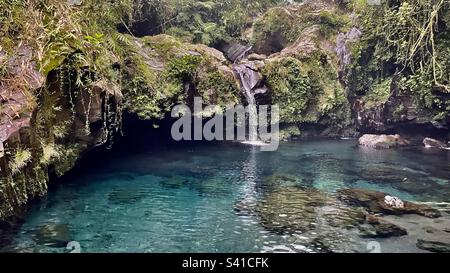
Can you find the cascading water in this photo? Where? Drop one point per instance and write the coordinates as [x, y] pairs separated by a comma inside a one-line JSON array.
[[251, 83], [248, 81]]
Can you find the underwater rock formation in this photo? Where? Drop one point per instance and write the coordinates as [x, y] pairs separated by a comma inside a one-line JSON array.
[[375, 202], [380, 228], [433, 143], [290, 209], [53, 235]]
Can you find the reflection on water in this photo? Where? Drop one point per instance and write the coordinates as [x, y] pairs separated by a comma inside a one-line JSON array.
[[229, 198]]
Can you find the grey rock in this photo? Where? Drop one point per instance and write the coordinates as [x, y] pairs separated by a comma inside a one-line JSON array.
[[382, 141], [433, 246]]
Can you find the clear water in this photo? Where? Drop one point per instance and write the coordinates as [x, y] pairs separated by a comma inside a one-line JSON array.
[[183, 198]]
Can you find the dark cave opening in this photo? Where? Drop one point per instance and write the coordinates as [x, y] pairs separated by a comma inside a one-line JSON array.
[[147, 22]]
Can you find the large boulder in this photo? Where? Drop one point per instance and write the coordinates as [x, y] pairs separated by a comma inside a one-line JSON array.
[[376, 202], [382, 141]]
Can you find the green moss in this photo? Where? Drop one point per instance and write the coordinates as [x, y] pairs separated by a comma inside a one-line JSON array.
[[308, 90], [289, 132], [275, 20], [164, 45], [400, 111], [180, 33], [151, 102], [216, 88], [332, 22], [378, 94], [280, 26], [20, 159], [183, 68], [67, 159], [50, 153], [277, 23], [291, 88]]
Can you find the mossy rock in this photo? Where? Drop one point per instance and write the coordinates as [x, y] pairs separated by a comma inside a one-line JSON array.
[[281, 26], [304, 82], [290, 132], [164, 71]]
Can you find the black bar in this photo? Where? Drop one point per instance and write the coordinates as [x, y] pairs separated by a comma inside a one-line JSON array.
[[223, 262]]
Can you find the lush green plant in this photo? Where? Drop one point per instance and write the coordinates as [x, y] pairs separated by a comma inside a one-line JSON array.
[[20, 159], [216, 88], [409, 39], [378, 94], [291, 88], [183, 68], [212, 21]]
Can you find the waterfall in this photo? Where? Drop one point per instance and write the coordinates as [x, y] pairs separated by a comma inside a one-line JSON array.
[[253, 117], [250, 81]]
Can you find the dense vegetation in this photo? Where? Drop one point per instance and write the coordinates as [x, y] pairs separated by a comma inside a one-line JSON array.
[[406, 45]]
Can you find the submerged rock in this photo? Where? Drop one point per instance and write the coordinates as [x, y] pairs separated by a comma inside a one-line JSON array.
[[433, 143], [290, 209], [122, 196], [380, 228], [433, 246], [53, 235], [374, 201], [280, 179], [244, 208], [175, 182], [383, 141]]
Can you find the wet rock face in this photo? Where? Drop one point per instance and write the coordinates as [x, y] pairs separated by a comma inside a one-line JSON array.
[[51, 136], [342, 42], [375, 202], [16, 106], [251, 80], [235, 52], [382, 141]]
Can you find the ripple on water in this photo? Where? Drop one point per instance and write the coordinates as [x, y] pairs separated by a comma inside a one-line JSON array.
[[229, 198]]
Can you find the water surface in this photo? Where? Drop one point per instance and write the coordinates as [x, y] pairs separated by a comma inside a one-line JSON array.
[[186, 198]]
